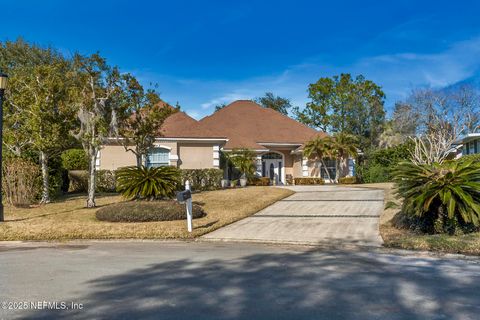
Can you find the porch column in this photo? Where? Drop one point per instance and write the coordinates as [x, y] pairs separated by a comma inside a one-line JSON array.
[[216, 157], [305, 167], [258, 162]]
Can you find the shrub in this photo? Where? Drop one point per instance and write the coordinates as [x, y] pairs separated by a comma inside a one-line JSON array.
[[378, 164], [259, 181], [469, 157], [347, 180], [74, 159], [78, 180], [441, 197], [21, 181], [147, 183], [374, 173], [202, 179], [308, 181], [106, 181], [144, 211], [289, 179]]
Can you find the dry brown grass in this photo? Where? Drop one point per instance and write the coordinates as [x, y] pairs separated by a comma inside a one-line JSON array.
[[406, 239], [69, 219]]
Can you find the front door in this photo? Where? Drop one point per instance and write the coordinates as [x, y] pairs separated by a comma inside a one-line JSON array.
[[274, 170]]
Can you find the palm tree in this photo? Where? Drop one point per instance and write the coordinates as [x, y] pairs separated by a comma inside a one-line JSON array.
[[445, 196], [244, 161], [319, 148], [344, 146]]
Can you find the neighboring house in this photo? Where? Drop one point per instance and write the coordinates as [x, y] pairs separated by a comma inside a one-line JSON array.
[[190, 144], [468, 144]]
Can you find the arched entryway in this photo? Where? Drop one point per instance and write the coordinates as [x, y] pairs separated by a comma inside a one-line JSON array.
[[273, 167]]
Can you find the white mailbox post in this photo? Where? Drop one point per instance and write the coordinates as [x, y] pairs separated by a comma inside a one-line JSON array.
[[189, 207], [186, 197]]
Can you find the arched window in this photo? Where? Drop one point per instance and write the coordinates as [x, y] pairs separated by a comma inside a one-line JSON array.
[[158, 157], [272, 155]]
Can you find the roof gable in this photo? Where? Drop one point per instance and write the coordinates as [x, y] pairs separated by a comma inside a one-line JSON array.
[[181, 125]]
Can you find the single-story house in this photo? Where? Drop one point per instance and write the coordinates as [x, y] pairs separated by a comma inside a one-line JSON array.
[[187, 143], [468, 144]]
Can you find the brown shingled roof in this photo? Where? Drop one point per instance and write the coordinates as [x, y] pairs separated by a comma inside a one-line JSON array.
[[246, 124], [181, 125]]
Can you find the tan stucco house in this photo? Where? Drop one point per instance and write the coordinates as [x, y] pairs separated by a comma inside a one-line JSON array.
[[190, 144]]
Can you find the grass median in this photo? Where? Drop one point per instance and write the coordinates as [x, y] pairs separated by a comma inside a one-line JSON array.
[[68, 219]]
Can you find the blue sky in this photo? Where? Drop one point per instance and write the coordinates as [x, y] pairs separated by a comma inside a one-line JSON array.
[[202, 53]]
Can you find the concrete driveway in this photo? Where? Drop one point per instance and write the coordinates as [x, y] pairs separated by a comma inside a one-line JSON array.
[[334, 215]]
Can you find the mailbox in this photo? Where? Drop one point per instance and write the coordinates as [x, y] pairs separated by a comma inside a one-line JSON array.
[[183, 196]]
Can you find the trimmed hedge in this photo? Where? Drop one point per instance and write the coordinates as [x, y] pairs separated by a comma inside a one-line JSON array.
[[202, 179], [348, 180], [259, 181], [146, 211], [308, 181], [74, 159]]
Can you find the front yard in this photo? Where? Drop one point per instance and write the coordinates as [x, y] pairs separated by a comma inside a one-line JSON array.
[[406, 239], [68, 219]]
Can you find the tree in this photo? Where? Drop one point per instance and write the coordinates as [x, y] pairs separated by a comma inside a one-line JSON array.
[[319, 148], [15, 58], [443, 116], [405, 119], [277, 103], [143, 115], [97, 95], [343, 146], [402, 126], [38, 103], [244, 161], [220, 106], [343, 104]]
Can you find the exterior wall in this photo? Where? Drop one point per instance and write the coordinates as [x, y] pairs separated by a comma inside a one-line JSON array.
[[112, 157], [196, 156], [297, 166], [183, 155]]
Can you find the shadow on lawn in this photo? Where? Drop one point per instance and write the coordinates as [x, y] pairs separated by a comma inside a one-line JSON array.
[[295, 285]]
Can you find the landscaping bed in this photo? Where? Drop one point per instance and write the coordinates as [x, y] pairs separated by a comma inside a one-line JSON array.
[[406, 239], [69, 219]]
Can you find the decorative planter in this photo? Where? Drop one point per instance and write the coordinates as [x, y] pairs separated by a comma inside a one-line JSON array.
[[243, 182], [224, 183]]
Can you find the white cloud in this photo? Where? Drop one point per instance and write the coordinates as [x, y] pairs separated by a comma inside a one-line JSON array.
[[397, 73]]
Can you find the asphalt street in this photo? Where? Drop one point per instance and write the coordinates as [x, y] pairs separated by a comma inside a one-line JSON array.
[[208, 280]]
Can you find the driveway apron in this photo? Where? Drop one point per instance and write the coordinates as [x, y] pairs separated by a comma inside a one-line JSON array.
[[334, 215]]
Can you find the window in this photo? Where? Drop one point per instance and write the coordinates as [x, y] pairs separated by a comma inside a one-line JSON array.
[[158, 157], [271, 155], [330, 167]]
